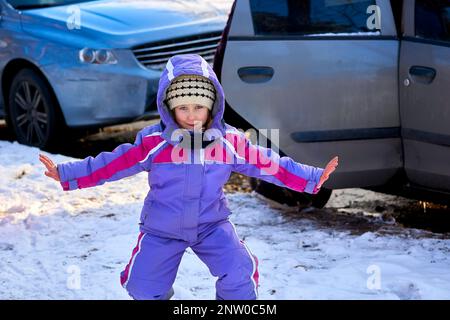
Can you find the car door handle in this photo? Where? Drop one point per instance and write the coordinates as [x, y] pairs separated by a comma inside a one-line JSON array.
[[255, 74], [422, 74]]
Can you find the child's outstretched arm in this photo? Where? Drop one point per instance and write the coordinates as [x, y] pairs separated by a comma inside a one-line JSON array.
[[123, 161], [265, 164]]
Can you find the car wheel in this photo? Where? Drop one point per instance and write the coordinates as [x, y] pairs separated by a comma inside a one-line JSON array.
[[290, 197], [33, 112]]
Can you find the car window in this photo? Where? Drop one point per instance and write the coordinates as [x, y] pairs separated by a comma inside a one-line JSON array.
[[312, 17], [397, 10], [433, 19]]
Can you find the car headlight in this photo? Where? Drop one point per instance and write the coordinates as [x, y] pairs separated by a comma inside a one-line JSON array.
[[100, 56]]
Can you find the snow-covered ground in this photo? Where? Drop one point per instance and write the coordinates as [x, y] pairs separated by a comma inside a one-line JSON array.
[[73, 245]]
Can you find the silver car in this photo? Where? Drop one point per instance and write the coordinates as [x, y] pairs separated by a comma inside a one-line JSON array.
[[367, 80], [81, 64]]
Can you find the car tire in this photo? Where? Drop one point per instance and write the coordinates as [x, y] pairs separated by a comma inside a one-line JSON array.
[[33, 112], [289, 197]]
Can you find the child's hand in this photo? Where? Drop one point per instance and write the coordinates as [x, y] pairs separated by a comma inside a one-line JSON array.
[[52, 171], [331, 166]]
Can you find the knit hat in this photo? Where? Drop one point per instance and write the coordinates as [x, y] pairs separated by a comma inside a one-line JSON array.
[[191, 89]]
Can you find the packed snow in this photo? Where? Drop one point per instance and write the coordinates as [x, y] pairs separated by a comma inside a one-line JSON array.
[[73, 245]]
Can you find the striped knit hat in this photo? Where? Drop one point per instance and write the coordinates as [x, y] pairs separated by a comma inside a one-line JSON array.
[[191, 89]]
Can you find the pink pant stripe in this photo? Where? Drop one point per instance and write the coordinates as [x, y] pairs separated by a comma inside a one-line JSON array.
[[126, 273], [255, 275]]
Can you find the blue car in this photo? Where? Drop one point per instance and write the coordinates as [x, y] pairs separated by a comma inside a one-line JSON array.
[[83, 64]]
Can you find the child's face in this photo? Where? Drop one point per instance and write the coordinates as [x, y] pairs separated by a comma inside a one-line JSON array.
[[191, 116]]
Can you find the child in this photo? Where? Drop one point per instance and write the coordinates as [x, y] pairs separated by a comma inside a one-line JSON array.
[[186, 206]]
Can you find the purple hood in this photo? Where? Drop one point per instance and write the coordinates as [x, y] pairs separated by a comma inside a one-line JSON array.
[[189, 64]]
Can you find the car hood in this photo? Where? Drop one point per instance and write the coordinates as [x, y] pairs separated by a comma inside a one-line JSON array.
[[124, 23]]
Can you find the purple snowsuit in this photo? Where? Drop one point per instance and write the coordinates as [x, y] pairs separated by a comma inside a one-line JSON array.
[[186, 206]]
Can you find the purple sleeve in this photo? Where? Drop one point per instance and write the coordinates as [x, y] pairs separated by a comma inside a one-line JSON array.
[[265, 164], [123, 161]]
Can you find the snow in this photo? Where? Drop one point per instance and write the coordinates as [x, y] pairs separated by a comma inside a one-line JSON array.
[[73, 245]]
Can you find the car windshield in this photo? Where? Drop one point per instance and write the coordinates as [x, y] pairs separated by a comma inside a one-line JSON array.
[[34, 4]]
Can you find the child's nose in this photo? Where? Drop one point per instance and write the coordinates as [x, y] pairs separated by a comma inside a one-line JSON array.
[[190, 116]]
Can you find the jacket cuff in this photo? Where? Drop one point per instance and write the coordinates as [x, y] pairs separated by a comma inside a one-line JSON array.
[[69, 185], [62, 175], [66, 185], [311, 185]]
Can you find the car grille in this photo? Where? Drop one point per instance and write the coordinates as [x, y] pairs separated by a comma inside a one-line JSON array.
[[155, 55]]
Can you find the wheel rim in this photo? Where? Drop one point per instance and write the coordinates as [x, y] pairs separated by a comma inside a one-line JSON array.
[[31, 114]]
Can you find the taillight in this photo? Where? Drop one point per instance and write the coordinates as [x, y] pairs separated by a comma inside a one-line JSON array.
[[220, 51]]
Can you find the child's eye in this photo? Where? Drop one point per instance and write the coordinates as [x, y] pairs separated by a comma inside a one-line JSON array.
[[198, 107]]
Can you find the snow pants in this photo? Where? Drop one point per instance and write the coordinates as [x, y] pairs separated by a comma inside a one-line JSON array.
[[154, 263]]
